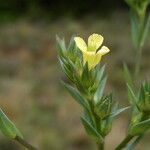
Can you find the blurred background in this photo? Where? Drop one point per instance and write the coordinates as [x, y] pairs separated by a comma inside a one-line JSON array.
[[30, 90]]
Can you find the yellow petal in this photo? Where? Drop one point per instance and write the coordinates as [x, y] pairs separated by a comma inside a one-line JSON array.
[[97, 60], [80, 43], [91, 58], [88, 57], [104, 50], [94, 42]]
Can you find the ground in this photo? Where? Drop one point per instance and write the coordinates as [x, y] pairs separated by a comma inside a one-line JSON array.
[[30, 89]]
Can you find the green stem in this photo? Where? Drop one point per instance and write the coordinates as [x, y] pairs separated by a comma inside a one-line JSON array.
[[25, 144], [138, 62], [135, 142], [140, 45], [124, 142], [100, 146]]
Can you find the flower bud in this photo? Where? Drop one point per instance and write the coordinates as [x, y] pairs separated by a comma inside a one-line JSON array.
[[144, 98], [104, 107]]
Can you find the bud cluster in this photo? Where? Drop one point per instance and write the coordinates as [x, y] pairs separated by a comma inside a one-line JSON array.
[[88, 84], [141, 109]]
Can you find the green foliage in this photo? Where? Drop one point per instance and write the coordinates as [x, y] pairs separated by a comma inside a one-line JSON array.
[[104, 107], [117, 111], [47, 9], [135, 31], [140, 23], [77, 96], [128, 77], [99, 92], [88, 90], [140, 128], [132, 98], [145, 31], [91, 130], [144, 98], [140, 121], [7, 127], [132, 145]]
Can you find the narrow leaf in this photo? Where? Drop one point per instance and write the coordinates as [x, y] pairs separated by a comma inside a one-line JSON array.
[[132, 145], [146, 31], [135, 30], [7, 127], [61, 44], [100, 73], [117, 112], [76, 95], [132, 97], [99, 93], [128, 76], [91, 130], [140, 128], [71, 44]]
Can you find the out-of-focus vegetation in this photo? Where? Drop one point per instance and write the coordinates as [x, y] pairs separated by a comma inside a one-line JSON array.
[[30, 89], [54, 9]]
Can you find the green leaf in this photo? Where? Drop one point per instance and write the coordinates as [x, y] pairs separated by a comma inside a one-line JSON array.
[[132, 145], [88, 116], [128, 76], [61, 45], [99, 92], [140, 128], [76, 95], [66, 68], [132, 98], [117, 112], [135, 30], [100, 73], [7, 127], [142, 94], [86, 76], [146, 31], [91, 131], [72, 44]]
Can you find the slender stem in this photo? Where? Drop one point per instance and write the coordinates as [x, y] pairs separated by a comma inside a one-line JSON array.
[[124, 142], [138, 62], [100, 146], [135, 142], [140, 45], [25, 144]]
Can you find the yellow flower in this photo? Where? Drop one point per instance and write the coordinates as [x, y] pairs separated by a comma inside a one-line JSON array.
[[90, 51]]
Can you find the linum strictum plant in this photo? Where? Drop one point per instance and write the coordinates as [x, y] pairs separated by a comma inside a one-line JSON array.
[[80, 63], [140, 24], [138, 99], [140, 116]]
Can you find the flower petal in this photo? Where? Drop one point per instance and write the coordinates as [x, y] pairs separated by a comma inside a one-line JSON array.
[[94, 42], [91, 58], [104, 50], [80, 44], [97, 60]]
